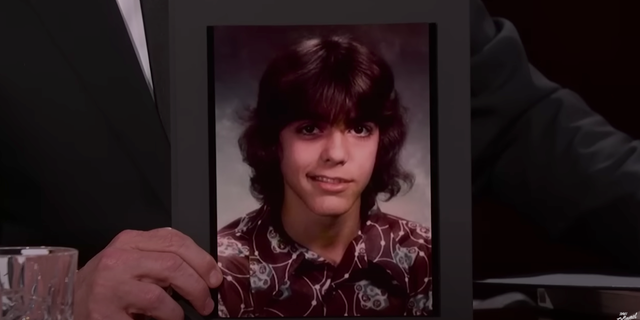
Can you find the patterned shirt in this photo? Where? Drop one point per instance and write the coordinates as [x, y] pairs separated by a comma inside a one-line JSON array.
[[385, 271]]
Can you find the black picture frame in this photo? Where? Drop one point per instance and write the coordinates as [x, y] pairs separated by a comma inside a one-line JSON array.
[[193, 196]]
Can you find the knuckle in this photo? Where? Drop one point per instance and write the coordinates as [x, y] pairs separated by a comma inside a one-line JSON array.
[[153, 296], [202, 290], [110, 258], [172, 239], [172, 263], [124, 236], [174, 311]]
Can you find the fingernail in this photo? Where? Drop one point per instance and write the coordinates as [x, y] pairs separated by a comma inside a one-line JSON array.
[[208, 307], [216, 278]]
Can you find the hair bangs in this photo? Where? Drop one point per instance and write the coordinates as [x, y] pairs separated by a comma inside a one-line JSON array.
[[336, 93]]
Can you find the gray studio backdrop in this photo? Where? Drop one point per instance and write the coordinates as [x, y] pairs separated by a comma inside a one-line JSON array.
[[240, 56]]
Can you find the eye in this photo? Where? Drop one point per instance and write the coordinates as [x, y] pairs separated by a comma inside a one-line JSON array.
[[308, 129], [362, 130]]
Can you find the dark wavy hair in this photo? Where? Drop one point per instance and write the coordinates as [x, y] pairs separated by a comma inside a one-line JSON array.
[[334, 80]]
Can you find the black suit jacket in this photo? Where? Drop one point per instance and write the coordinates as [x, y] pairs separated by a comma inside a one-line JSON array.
[[84, 152], [538, 148]]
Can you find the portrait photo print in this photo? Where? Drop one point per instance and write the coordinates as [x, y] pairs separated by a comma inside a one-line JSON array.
[[322, 169]]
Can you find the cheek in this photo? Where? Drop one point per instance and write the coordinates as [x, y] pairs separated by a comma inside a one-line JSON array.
[[296, 157], [371, 154], [367, 156]]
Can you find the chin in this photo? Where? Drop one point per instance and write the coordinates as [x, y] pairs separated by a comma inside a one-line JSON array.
[[329, 207]]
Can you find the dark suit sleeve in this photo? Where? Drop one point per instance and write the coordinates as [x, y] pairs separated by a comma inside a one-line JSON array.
[[538, 147]]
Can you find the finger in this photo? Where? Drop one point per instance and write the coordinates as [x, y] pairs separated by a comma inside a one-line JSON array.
[[164, 270], [173, 241], [141, 298], [169, 270]]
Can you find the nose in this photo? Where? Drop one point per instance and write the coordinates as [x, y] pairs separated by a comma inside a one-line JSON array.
[[335, 149]]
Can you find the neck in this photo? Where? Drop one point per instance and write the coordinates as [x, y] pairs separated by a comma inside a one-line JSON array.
[[327, 236]]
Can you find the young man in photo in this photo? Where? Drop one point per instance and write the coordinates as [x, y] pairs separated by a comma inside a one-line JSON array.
[[323, 143]]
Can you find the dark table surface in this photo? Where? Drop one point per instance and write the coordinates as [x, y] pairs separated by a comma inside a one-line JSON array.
[[585, 300], [533, 314]]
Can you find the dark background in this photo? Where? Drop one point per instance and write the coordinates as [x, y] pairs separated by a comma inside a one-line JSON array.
[[590, 47]]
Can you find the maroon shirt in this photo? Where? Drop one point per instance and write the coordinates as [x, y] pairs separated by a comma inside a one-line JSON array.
[[386, 271]]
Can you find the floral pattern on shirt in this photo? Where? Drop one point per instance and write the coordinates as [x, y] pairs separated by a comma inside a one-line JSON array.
[[386, 271]]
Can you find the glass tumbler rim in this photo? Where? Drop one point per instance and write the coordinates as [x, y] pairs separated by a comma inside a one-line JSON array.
[[36, 251]]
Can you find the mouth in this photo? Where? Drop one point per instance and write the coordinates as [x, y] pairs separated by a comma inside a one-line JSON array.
[[326, 179]]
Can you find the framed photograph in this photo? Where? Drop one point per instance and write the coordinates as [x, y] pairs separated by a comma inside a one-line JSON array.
[[321, 153]]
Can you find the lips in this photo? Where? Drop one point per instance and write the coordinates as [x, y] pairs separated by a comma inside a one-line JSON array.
[[332, 185], [326, 179]]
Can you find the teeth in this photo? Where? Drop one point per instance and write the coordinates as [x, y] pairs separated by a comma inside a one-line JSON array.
[[327, 180]]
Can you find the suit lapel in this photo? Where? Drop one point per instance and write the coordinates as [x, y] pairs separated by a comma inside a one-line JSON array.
[[93, 37], [156, 25]]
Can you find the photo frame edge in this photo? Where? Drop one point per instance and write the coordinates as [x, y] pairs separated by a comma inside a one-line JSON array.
[[190, 172]]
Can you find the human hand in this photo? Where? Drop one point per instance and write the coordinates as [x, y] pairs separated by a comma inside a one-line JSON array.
[[131, 276]]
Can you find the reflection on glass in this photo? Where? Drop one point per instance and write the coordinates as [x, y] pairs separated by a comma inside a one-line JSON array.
[[37, 283]]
